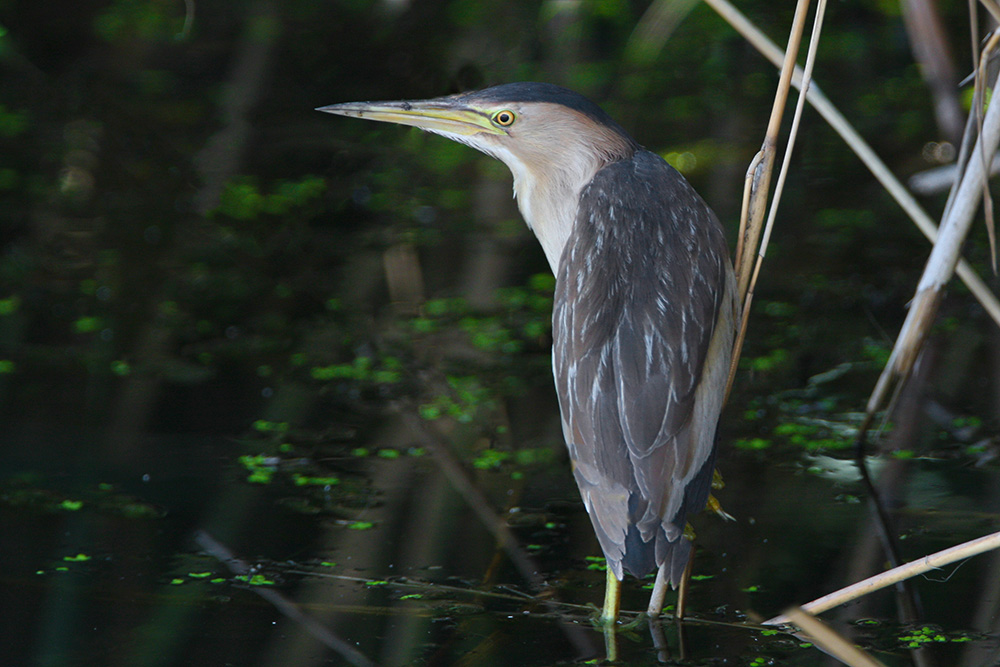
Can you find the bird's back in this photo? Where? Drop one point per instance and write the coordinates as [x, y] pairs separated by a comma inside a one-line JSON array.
[[637, 350]]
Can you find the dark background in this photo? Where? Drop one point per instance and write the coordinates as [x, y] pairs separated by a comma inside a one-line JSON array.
[[223, 311]]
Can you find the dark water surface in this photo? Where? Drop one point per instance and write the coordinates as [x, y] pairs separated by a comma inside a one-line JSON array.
[[135, 574]]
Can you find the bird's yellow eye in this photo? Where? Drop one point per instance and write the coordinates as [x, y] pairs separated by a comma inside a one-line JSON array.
[[503, 118]]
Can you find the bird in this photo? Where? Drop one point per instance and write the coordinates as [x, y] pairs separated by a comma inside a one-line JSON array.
[[644, 309]]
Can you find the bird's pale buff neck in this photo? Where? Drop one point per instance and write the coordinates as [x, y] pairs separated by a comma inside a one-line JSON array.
[[547, 182]]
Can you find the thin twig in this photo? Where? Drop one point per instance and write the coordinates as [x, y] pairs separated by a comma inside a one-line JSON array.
[[905, 595], [793, 133], [994, 10], [756, 188], [890, 577], [778, 190], [987, 198], [513, 595], [761, 176]]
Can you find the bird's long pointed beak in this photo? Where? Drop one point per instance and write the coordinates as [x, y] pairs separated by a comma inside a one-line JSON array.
[[439, 115]]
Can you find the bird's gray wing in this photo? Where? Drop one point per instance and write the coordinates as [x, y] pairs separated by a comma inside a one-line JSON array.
[[641, 283]]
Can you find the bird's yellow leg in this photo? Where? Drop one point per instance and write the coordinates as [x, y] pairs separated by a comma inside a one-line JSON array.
[[659, 592], [611, 643], [612, 599]]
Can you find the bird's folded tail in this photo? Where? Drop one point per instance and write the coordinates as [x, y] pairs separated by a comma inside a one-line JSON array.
[[642, 558], [674, 555]]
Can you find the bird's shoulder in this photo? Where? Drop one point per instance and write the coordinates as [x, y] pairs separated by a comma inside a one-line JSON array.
[[648, 180]]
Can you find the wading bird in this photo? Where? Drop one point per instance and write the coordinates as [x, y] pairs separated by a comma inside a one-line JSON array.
[[644, 313]]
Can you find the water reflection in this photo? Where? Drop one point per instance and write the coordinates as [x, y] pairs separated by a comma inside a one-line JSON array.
[[109, 566]]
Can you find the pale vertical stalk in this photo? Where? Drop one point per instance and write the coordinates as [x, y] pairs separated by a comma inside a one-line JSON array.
[[747, 297], [943, 258], [761, 175], [794, 132], [992, 7], [756, 187]]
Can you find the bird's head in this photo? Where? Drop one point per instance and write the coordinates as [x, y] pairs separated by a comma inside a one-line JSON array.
[[531, 123], [553, 140]]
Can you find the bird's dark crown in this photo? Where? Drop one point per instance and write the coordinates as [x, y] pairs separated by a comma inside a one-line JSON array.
[[532, 91]]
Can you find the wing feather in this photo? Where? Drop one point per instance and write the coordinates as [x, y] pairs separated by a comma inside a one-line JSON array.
[[642, 282]]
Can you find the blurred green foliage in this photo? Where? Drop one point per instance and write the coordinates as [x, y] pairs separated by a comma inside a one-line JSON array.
[[167, 219], [243, 200]]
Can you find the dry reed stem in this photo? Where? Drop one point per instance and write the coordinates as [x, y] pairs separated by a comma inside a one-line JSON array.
[[760, 177], [778, 190], [992, 7], [944, 255], [836, 120], [987, 198], [792, 136], [897, 574], [755, 190], [829, 640]]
